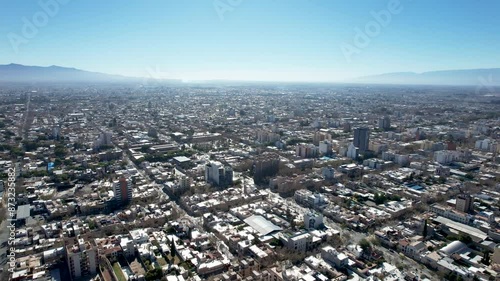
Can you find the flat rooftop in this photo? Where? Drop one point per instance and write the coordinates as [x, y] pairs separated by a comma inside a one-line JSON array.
[[23, 211], [261, 225], [462, 227], [182, 159]]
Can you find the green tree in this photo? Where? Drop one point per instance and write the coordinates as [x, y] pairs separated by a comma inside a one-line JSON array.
[[379, 198], [276, 242], [92, 224], [154, 274], [16, 151], [77, 145], [60, 151], [365, 245], [466, 239], [469, 176], [30, 145]]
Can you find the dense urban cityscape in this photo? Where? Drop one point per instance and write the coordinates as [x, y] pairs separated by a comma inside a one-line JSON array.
[[249, 182], [249, 140]]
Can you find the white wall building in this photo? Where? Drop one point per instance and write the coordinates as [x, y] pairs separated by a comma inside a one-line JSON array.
[[325, 147], [218, 174], [82, 259], [352, 151], [487, 145], [313, 220]]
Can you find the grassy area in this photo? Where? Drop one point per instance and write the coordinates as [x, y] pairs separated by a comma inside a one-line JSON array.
[[177, 260], [186, 265], [161, 261], [118, 272]]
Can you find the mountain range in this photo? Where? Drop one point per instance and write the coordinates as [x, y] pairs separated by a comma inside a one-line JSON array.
[[18, 73], [57, 74], [485, 77]]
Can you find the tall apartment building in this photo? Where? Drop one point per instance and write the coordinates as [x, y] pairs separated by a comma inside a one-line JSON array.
[[56, 132], [384, 123], [464, 203], [265, 165], [361, 138], [218, 174], [487, 145], [104, 139], [82, 258], [445, 157], [321, 136], [325, 147], [352, 151], [266, 137], [122, 189], [307, 150]]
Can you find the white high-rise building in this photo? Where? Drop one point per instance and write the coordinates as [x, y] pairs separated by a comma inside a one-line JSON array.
[[325, 147], [487, 145], [184, 182], [313, 220], [56, 132], [447, 156], [352, 151], [82, 259], [218, 174]]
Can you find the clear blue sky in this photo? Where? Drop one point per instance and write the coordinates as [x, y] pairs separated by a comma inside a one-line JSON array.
[[281, 40]]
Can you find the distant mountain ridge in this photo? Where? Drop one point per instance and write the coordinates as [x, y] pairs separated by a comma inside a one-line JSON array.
[[57, 74], [486, 77], [18, 73], [23, 73]]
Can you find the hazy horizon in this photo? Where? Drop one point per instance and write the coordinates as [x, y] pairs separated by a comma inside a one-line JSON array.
[[479, 78]]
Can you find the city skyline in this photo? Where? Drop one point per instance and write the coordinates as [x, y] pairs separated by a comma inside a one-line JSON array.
[[237, 140]]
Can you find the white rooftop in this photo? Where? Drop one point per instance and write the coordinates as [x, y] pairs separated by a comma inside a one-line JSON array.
[[261, 225]]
